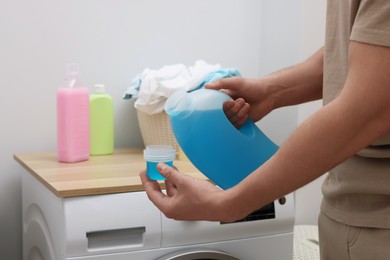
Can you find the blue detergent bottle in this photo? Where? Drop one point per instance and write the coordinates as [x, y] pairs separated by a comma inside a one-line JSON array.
[[224, 154]]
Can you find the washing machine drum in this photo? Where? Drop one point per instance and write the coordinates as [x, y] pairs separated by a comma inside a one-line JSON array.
[[198, 254]]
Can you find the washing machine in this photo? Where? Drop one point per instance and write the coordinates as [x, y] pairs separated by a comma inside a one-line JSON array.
[[123, 226]]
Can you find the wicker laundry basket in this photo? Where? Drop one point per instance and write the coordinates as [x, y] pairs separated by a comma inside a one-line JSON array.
[[156, 129]]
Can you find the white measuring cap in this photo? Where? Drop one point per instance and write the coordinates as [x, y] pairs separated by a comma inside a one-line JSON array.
[[159, 153]]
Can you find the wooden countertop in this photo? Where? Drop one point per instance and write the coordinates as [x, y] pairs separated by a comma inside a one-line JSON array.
[[99, 175]]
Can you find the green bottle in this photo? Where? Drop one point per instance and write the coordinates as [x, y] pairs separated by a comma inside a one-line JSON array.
[[101, 122]]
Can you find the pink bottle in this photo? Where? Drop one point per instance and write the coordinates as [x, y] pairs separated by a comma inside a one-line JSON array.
[[72, 118]]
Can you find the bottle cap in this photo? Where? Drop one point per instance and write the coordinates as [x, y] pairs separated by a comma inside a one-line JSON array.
[[99, 88], [159, 153]]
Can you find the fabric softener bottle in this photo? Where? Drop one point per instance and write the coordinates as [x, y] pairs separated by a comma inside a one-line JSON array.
[[224, 154], [101, 122], [72, 118]]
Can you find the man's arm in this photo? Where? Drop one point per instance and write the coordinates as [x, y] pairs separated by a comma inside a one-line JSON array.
[[294, 85], [357, 117], [297, 84]]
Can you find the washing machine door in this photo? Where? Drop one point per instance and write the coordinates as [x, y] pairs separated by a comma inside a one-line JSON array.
[[37, 241], [198, 254]]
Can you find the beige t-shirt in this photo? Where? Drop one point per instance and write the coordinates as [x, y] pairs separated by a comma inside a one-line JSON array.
[[357, 192]]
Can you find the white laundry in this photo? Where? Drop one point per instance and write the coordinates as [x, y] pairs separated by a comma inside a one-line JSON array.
[[155, 86]]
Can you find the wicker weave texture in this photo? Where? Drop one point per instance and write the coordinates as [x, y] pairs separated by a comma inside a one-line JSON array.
[[156, 129]]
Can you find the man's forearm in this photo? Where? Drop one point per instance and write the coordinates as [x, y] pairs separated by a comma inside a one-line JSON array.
[[297, 84]]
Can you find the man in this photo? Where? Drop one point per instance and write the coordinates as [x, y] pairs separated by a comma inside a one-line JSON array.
[[349, 138]]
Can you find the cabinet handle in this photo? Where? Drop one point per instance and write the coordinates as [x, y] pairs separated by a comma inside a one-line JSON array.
[[111, 239]]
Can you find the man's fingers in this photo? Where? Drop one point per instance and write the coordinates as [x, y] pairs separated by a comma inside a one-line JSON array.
[[171, 174], [237, 111], [171, 188], [153, 190], [233, 83], [232, 108]]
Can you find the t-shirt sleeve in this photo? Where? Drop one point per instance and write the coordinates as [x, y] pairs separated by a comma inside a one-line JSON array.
[[372, 23]]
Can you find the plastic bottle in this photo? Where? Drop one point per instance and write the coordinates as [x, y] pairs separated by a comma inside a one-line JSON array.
[[223, 153], [72, 118], [101, 122]]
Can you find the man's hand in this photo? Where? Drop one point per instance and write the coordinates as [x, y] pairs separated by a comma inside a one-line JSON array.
[[186, 198]]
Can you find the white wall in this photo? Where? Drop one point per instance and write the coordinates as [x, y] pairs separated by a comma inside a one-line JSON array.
[[112, 41]]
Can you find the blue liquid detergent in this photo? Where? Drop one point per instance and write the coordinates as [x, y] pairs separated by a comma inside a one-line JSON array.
[[153, 173], [223, 153]]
